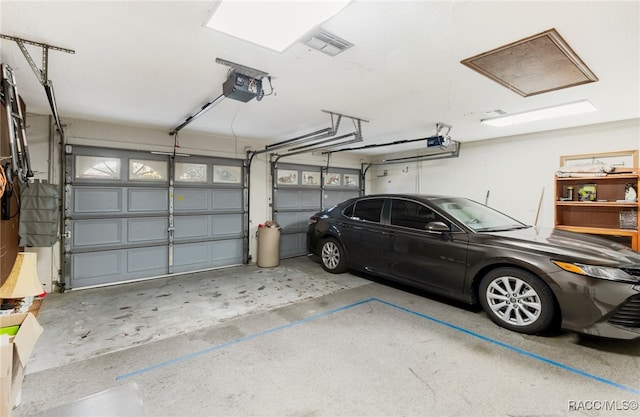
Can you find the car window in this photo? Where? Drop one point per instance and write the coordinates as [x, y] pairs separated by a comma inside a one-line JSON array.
[[349, 210], [414, 215], [476, 216], [369, 209]]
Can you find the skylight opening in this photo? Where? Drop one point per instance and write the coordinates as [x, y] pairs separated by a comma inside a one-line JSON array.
[[272, 24]]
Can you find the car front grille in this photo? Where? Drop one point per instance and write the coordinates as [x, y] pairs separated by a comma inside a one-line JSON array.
[[628, 314], [632, 271]]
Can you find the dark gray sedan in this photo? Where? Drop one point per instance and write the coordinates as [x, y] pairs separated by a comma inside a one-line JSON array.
[[526, 278]]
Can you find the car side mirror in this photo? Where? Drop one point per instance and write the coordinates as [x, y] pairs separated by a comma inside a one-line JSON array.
[[437, 227]]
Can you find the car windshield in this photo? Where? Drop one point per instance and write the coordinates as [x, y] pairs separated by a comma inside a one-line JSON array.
[[476, 216]]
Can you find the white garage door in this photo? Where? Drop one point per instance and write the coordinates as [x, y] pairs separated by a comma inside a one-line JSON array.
[[135, 215], [302, 190]]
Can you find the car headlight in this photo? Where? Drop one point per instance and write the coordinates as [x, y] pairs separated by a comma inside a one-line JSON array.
[[596, 271]]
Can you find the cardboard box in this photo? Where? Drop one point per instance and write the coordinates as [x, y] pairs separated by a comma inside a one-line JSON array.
[[14, 355]]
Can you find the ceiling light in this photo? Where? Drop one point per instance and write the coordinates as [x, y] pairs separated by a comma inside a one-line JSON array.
[[568, 109], [272, 24]]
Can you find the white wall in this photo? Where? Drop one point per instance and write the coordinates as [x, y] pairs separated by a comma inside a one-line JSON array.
[[45, 156], [515, 171]]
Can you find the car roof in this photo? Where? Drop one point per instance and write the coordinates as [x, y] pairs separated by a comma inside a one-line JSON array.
[[413, 196]]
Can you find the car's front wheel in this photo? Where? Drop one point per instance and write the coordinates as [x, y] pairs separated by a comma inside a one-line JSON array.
[[517, 300], [332, 256]]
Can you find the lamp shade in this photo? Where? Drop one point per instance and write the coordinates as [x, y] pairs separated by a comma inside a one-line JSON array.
[[23, 280]]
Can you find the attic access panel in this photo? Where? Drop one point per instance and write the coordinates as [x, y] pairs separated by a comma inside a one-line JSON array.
[[533, 65]]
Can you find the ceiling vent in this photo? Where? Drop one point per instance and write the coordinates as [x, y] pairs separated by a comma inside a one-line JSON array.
[[534, 65], [326, 42]]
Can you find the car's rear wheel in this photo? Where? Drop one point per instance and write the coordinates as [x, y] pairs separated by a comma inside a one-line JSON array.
[[332, 256], [517, 300]]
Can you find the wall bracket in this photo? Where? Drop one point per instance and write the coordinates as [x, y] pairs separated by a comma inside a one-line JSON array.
[[42, 74]]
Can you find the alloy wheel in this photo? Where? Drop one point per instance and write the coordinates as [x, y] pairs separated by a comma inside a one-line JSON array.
[[513, 301], [330, 255]]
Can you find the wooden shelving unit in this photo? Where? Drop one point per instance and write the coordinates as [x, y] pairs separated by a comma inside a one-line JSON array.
[[602, 216]]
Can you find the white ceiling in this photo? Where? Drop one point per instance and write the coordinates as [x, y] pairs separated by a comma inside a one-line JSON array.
[[154, 64]]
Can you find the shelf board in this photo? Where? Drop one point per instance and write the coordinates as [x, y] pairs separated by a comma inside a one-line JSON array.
[[599, 230], [626, 176], [611, 188], [597, 204]]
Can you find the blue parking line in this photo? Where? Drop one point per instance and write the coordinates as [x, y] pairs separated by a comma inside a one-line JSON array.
[[512, 348], [397, 307], [242, 339]]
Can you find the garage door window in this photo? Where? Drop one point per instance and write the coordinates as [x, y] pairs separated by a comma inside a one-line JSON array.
[[147, 170], [188, 172], [227, 174], [97, 167], [333, 179]]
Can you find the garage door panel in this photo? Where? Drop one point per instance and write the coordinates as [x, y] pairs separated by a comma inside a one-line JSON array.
[[147, 200], [293, 244], [195, 256], [226, 252], [191, 254], [294, 220], [334, 197], [191, 227], [104, 267], [226, 225], [287, 199], [98, 267], [150, 261], [147, 230], [227, 199], [191, 200], [208, 226], [97, 200], [298, 199], [310, 199], [97, 232]]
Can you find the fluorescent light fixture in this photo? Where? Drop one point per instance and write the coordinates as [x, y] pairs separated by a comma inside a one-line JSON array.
[[568, 109], [273, 24]]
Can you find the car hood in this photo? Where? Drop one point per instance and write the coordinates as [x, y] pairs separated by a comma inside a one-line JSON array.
[[575, 246]]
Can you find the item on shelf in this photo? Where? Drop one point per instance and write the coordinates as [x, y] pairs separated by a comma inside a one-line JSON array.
[[587, 192], [630, 193], [612, 212], [629, 219], [570, 193], [585, 170]]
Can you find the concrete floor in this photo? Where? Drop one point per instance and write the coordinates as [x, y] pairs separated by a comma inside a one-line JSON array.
[[296, 341]]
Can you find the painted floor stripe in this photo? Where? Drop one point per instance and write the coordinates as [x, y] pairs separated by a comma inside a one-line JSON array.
[[242, 339], [513, 348], [394, 306]]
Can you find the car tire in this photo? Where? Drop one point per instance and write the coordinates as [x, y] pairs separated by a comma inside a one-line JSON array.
[[517, 300], [332, 256]]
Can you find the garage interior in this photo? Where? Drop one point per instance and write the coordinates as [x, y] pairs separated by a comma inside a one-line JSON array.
[[160, 151]]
